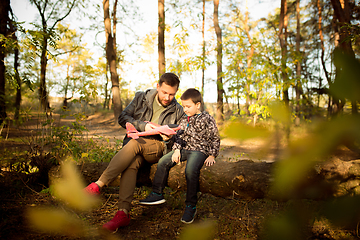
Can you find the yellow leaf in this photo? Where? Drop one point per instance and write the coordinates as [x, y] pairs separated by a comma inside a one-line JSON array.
[[55, 221], [240, 131], [70, 189], [199, 231], [280, 112]]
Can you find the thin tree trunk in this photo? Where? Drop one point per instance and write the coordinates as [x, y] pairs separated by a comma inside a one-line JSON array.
[[106, 101], [161, 36], [319, 6], [248, 61], [203, 51], [44, 101], [111, 59], [219, 83], [4, 13], [298, 65], [17, 103]]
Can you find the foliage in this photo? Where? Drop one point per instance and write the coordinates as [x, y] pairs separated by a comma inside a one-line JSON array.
[[301, 156]]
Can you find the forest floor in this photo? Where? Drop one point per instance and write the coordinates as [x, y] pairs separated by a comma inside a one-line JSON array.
[[229, 218]]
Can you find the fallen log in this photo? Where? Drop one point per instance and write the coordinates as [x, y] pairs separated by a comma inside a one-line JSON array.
[[247, 179]]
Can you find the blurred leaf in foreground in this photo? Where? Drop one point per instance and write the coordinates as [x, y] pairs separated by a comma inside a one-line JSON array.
[[70, 189], [199, 231], [347, 82], [241, 131], [280, 113], [55, 221], [301, 156]]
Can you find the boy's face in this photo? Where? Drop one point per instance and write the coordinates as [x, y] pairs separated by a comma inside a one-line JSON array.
[[190, 108], [166, 93]]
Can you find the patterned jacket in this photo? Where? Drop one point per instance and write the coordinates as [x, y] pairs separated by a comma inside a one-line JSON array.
[[198, 133]]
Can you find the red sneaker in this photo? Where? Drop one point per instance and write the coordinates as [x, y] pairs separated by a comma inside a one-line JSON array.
[[93, 189], [121, 219]]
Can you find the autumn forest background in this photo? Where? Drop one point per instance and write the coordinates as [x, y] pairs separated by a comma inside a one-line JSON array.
[[285, 88]]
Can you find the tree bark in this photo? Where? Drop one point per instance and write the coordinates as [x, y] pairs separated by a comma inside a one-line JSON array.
[[342, 12], [111, 59], [161, 36], [328, 79], [219, 83], [203, 51], [249, 57], [4, 20], [283, 44], [298, 65]]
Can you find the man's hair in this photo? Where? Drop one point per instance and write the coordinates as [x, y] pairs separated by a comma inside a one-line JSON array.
[[170, 79], [192, 94]]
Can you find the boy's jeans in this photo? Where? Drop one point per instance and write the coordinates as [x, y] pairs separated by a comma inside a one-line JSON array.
[[195, 161]]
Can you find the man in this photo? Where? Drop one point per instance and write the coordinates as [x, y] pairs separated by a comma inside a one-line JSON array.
[[152, 106]]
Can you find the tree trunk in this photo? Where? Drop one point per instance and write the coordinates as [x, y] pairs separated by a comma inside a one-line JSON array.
[[328, 79], [283, 44], [18, 82], [203, 51], [298, 65], [111, 59], [219, 83], [342, 12], [249, 57], [161, 36], [4, 19], [44, 101]]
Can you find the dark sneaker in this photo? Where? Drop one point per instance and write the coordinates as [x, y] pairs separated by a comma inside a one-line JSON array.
[[189, 214], [153, 199], [93, 189], [121, 219]]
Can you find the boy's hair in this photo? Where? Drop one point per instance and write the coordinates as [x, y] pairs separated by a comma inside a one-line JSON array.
[[192, 94], [170, 79]]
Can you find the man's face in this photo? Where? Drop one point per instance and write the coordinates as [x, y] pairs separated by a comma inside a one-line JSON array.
[[166, 93]]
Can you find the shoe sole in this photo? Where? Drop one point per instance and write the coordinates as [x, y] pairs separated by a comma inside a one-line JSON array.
[[153, 203], [183, 221]]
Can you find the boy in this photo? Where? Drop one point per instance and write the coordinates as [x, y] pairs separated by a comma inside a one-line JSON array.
[[198, 142]]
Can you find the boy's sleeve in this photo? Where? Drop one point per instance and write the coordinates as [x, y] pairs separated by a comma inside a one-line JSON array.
[[177, 139], [214, 138]]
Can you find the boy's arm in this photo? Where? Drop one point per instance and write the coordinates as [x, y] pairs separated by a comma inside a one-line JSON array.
[[214, 139]]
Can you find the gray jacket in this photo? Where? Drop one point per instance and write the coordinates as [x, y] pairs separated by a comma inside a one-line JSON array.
[[140, 110]]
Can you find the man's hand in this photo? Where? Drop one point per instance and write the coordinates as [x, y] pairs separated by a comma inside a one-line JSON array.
[[165, 137], [209, 161], [176, 156]]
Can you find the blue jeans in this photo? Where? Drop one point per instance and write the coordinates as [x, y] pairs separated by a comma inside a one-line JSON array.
[[195, 161]]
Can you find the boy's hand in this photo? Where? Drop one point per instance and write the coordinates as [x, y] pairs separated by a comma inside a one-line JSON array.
[[210, 161], [176, 156]]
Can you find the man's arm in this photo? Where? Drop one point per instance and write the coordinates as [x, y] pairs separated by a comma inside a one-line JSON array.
[[129, 112]]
